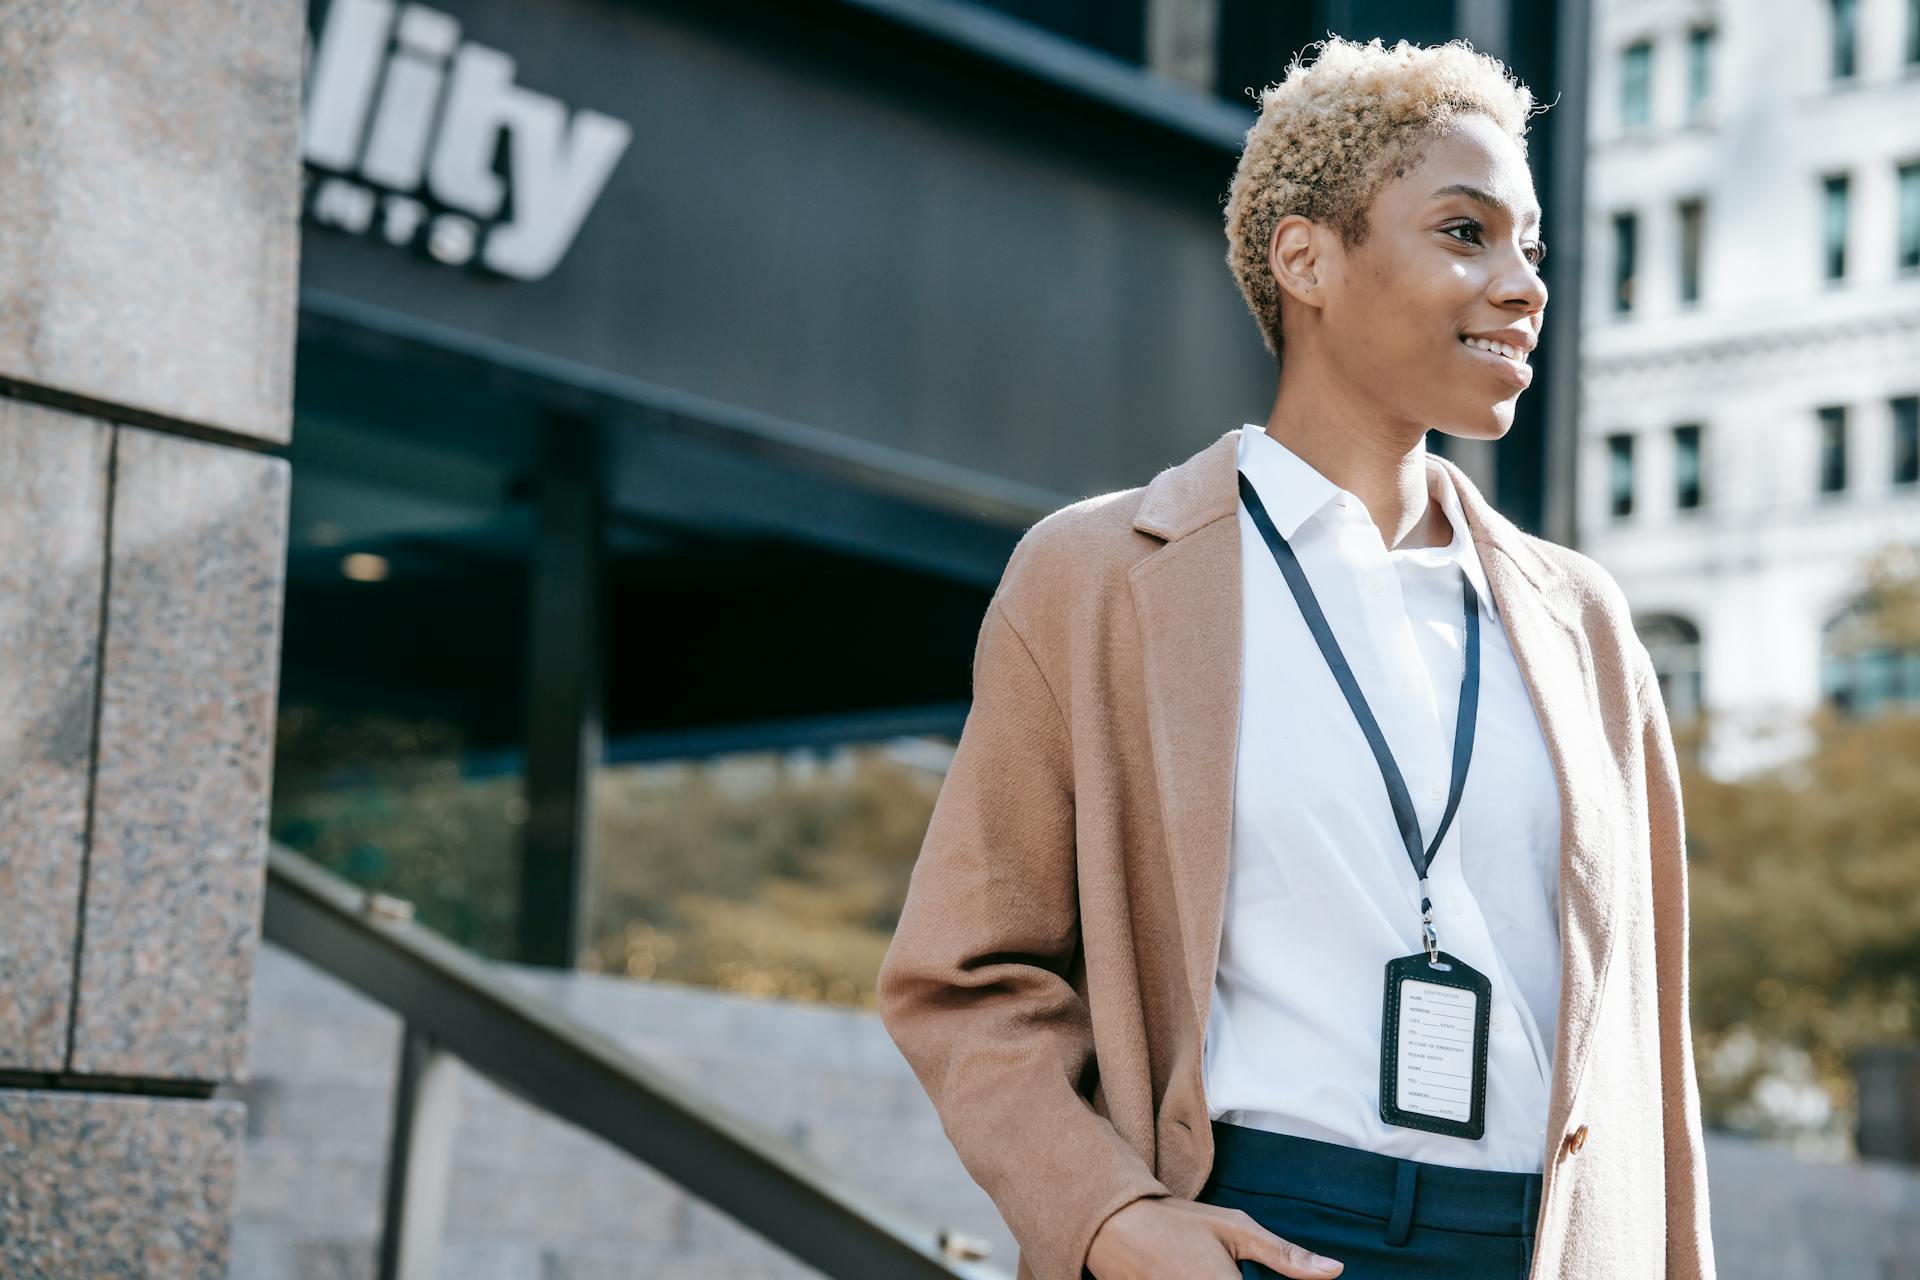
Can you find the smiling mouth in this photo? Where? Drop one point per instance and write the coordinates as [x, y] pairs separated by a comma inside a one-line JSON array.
[[1514, 355]]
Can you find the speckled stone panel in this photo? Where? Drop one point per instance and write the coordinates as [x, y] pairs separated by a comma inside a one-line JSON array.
[[184, 766], [107, 1186], [149, 234], [53, 485]]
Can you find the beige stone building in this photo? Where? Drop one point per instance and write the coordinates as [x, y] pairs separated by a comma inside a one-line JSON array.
[[1748, 426]]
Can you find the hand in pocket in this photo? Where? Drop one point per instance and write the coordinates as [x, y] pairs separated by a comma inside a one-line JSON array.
[[1160, 1236]]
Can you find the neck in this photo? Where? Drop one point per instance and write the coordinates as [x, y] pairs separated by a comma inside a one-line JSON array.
[[1382, 463]]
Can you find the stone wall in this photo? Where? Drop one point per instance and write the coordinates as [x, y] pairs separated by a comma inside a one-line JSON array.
[[148, 280]]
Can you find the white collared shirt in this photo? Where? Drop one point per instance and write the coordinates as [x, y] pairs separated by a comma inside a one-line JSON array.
[[1320, 891]]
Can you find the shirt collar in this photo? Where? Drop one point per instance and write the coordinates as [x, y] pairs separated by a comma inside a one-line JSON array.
[[1291, 488], [1294, 491], [1461, 550]]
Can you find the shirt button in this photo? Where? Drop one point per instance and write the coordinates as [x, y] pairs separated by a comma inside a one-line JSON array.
[[1455, 908], [1376, 586], [1437, 792], [1499, 1021]]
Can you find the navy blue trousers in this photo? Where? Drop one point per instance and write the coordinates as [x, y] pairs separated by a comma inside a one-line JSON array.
[[1386, 1218]]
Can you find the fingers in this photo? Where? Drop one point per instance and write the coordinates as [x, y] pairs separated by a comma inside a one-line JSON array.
[[1252, 1241]]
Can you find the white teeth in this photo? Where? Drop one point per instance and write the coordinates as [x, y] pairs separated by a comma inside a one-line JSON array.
[[1498, 348]]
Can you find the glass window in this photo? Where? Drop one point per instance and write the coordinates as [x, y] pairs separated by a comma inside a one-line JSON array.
[[1907, 250], [1692, 229], [1845, 20], [774, 873], [1906, 440], [1700, 70], [1833, 448], [1835, 227], [1864, 670], [1636, 80], [1877, 678], [1674, 645], [1686, 465], [1624, 226], [396, 760], [1620, 475]]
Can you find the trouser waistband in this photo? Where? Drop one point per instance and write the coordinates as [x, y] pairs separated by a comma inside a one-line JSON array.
[[1407, 1192]]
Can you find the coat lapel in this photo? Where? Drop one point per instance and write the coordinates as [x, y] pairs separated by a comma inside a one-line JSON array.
[[1541, 610], [1186, 600], [1187, 603]]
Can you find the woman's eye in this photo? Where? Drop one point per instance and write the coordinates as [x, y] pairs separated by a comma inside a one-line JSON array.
[[1535, 251]]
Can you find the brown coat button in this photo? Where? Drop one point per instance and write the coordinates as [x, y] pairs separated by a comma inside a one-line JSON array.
[[1577, 1139]]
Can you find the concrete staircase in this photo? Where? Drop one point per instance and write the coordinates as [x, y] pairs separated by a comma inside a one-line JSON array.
[[535, 1199]]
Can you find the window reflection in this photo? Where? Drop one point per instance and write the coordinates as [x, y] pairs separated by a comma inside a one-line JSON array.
[[774, 874]]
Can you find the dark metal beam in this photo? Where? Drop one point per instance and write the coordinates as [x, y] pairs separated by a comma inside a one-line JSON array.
[[936, 719], [426, 1121], [564, 686], [1567, 180], [939, 719], [671, 455]]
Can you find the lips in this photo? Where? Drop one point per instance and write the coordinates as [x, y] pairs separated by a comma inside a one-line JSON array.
[[1512, 371]]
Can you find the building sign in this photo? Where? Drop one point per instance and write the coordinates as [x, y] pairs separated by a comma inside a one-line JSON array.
[[403, 123]]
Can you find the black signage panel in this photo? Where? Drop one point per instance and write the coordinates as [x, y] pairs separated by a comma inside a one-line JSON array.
[[817, 220]]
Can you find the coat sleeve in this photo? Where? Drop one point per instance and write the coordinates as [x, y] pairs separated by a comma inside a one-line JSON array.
[[1689, 1235], [973, 987]]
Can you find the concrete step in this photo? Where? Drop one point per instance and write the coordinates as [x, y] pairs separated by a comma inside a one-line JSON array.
[[535, 1199]]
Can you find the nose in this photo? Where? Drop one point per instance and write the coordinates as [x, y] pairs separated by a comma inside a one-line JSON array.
[[1521, 283]]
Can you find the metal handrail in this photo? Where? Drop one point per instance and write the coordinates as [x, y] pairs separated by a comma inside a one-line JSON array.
[[456, 1002]]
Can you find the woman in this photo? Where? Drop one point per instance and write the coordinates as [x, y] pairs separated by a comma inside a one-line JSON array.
[[1307, 896]]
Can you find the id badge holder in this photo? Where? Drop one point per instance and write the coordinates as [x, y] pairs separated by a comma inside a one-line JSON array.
[[1433, 1045]]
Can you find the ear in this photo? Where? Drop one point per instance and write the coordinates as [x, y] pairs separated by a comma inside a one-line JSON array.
[[1295, 257]]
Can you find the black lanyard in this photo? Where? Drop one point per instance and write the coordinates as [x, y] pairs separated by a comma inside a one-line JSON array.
[[1403, 811]]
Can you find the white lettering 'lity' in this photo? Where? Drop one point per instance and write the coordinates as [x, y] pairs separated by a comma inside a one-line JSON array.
[[557, 169]]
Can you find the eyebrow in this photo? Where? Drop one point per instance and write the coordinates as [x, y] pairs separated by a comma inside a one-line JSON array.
[[1487, 198]]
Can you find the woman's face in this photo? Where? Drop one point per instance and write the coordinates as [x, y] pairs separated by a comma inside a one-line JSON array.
[[1452, 250]]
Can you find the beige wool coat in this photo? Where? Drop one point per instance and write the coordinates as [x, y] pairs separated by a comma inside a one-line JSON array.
[[1052, 973]]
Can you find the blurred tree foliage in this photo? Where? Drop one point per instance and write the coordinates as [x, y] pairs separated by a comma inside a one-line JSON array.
[[757, 877], [1804, 884], [381, 800], [765, 874]]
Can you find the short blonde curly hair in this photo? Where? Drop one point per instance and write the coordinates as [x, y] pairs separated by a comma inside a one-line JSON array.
[[1329, 135]]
